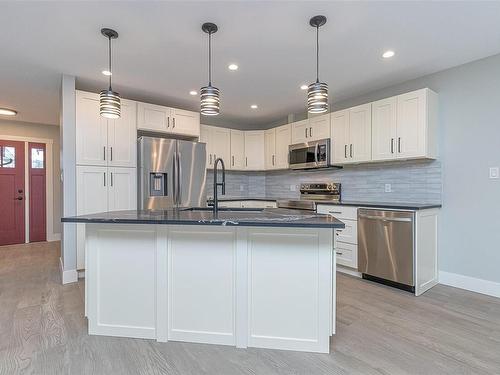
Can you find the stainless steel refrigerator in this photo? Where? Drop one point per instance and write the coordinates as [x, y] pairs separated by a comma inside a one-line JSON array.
[[171, 173]]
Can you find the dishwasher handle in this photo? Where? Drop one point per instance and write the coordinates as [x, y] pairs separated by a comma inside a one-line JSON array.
[[381, 218]]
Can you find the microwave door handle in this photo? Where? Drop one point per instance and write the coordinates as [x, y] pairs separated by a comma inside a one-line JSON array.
[[316, 150]]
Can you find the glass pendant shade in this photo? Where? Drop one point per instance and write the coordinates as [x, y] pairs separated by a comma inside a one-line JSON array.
[[109, 104], [209, 99], [317, 97], [109, 100]]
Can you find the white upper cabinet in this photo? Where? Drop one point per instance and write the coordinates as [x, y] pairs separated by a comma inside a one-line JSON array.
[[340, 137], [185, 122], [319, 127], [237, 150], [300, 131], [254, 150], [404, 126], [122, 137], [162, 119], [101, 141], [218, 142], [91, 130], [283, 140], [270, 148], [384, 134], [360, 133], [351, 135]]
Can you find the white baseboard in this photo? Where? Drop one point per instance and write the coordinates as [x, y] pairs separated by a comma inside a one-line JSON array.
[[348, 271], [54, 237], [68, 276], [487, 287]]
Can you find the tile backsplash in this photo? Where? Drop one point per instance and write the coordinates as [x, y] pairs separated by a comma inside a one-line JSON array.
[[411, 181]]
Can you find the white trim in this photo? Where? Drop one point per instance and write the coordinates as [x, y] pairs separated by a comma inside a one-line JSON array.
[[68, 276], [49, 180], [348, 271], [490, 288]]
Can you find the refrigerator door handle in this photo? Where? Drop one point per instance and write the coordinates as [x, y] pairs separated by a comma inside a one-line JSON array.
[[174, 179], [179, 177]]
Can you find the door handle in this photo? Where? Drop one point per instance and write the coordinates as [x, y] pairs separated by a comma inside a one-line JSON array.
[[350, 150], [18, 199], [179, 176], [399, 144], [381, 218], [392, 145], [316, 149]]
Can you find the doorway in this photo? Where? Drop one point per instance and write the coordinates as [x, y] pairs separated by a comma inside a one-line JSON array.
[[23, 190]]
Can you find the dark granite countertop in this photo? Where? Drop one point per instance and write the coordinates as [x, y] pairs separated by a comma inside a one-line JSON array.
[[274, 217]]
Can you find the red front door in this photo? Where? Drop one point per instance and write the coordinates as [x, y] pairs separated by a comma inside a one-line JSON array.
[[11, 192], [36, 168]]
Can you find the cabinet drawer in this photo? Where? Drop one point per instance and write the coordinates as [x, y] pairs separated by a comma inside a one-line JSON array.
[[349, 234], [340, 212], [347, 254]]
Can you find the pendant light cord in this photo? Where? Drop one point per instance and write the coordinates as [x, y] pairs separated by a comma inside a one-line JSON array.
[[109, 40], [210, 59], [317, 54]]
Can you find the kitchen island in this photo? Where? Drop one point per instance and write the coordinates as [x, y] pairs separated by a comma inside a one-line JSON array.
[[247, 278]]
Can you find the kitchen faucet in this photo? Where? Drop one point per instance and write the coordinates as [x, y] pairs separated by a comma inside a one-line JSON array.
[[217, 184]]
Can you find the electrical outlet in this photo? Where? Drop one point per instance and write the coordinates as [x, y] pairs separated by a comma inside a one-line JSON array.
[[388, 188], [293, 187], [494, 172]]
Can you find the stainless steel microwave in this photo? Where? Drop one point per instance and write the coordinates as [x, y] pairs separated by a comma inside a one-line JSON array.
[[315, 154]]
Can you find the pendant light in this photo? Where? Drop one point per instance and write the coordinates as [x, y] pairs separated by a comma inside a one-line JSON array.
[[209, 95], [109, 100], [317, 92]]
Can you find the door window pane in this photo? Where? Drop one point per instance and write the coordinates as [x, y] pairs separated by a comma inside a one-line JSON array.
[[8, 157], [37, 158]]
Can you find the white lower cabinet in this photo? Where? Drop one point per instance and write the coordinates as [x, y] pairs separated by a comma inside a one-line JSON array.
[[102, 189]]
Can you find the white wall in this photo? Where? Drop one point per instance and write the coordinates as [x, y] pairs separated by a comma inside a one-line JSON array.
[[469, 98]]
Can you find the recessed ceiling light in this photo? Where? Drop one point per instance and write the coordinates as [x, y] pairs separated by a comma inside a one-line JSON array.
[[193, 92], [388, 54], [303, 87], [232, 67], [7, 112], [107, 72], [254, 106]]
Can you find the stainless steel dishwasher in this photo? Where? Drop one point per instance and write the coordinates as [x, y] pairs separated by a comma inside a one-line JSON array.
[[386, 244]]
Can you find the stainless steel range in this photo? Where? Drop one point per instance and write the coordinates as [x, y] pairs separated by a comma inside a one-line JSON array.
[[312, 193]]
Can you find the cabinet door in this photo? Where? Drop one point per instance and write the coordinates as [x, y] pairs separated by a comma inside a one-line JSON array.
[[122, 189], [254, 150], [220, 138], [91, 130], [270, 148], [153, 117], [384, 129], [339, 143], [411, 124], [185, 122], [319, 127], [237, 150], [205, 138], [360, 133], [283, 139], [91, 189], [122, 137], [300, 131]]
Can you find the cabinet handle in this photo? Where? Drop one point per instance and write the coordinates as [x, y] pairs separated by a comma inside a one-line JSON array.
[[306, 132], [345, 151], [111, 178], [210, 159], [111, 148], [399, 144], [334, 212], [350, 150], [104, 174], [338, 252], [168, 122], [310, 132], [104, 152], [233, 160], [392, 145], [273, 159], [173, 122], [246, 161]]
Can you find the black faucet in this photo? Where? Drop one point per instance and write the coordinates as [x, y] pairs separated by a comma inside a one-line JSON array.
[[217, 184]]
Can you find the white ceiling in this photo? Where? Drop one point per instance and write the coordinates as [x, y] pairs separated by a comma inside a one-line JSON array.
[[161, 52]]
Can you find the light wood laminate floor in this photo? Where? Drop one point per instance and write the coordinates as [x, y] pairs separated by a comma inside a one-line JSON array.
[[379, 331]]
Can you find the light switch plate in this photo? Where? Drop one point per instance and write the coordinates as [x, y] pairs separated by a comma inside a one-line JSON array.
[[494, 173], [388, 188], [293, 187]]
